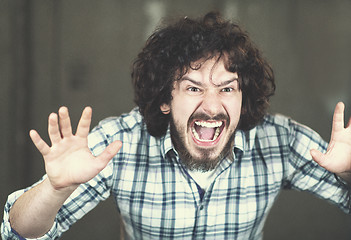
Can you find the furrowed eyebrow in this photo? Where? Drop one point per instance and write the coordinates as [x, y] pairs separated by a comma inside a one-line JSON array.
[[225, 83], [198, 83]]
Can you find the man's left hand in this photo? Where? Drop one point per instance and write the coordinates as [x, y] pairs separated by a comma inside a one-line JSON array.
[[337, 159]]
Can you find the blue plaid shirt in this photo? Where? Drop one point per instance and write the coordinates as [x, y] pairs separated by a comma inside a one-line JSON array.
[[158, 199]]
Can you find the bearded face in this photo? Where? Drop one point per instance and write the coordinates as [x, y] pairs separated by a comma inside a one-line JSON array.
[[205, 111]]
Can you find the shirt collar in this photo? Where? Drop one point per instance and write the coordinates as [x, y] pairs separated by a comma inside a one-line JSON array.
[[244, 140], [239, 140], [166, 143]]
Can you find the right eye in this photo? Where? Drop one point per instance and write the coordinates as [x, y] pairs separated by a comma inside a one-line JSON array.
[[193, 89]]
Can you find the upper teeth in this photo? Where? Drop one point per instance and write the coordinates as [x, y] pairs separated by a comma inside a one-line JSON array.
[[209, 124]]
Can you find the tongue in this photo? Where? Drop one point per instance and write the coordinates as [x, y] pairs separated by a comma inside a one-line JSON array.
[[205, 133]]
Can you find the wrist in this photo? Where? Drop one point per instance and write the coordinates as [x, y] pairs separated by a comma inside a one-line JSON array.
[[58, 193]]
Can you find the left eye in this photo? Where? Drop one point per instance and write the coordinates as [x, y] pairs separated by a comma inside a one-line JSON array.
[[228, 89]]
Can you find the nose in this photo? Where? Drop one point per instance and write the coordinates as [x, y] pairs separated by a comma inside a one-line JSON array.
[[212, 104]]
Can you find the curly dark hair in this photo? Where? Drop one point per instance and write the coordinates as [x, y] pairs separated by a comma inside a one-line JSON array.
[[171, 51]]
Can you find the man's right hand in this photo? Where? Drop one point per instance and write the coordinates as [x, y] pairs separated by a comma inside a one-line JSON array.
[[69, 162]]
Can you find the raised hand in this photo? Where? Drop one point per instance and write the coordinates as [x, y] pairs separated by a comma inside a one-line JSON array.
[[337, 159], [69, 162]]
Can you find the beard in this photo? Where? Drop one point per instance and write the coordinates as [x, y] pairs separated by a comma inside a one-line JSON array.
[[206, 161]]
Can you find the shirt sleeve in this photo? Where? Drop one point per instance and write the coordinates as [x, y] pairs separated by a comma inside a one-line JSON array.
[[306, 175]]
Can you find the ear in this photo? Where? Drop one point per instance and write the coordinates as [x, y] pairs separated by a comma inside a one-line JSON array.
[[165, 108]]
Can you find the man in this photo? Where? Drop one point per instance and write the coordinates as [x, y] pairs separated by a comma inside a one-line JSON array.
[[199, 158]]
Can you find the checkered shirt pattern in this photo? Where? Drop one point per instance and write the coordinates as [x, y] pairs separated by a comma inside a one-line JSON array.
[[158, 199]]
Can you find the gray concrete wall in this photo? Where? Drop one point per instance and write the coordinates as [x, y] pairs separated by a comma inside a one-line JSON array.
[[78, 53]]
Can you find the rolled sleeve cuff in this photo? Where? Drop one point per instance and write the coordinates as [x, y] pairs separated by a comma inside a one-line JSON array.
[[48, 235]]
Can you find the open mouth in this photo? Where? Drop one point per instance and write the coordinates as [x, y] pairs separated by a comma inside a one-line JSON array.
[[207, 131]]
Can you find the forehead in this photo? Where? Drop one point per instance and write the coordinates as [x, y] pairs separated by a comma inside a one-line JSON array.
[[213, 70]]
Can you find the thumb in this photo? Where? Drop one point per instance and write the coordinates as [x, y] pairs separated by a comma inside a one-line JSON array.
[[317, 156], [109, 152]]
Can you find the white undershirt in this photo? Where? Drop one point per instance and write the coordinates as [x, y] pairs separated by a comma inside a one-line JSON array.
[[203, 179]]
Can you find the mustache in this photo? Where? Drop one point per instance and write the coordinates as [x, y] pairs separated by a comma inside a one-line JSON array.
[[205, 117]]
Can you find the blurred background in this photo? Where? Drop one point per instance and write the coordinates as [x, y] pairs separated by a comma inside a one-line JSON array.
[[79, 52]]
